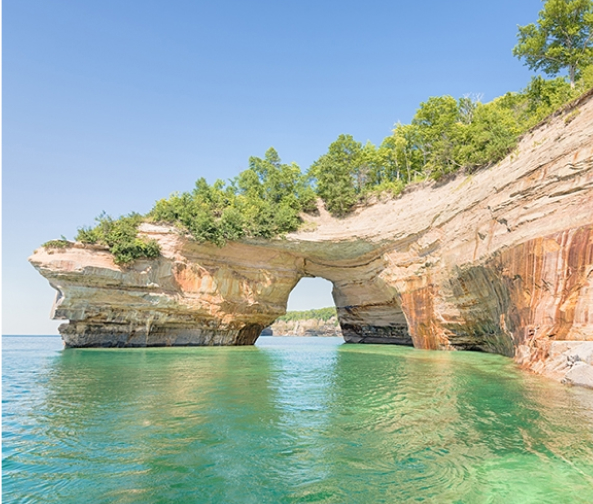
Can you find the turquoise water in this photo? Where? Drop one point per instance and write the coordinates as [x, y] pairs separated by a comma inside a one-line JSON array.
[[290, 420]]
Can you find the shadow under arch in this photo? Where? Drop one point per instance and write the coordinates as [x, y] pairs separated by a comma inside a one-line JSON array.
[[368, 309]]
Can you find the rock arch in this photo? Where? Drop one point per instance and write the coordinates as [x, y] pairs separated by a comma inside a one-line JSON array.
[[501, 261], [203, 295]]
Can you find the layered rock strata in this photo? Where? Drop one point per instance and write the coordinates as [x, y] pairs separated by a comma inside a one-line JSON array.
[[304, 327], [499, 261]]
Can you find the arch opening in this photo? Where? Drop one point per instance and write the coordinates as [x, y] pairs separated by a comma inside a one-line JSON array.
[[362, 308], [311, 293], [311, 311]]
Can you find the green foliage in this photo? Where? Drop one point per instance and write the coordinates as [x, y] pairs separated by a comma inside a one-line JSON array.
[[402, 154], [263, 201], [57, 244], [439, 129], [320, 314], [561, 39], [339, 175], [490, 136], [120, 235], [586, 80], [266, 200], [544, 96], [445, 135], [390, 187]]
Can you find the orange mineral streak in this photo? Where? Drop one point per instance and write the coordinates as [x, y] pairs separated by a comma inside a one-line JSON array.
[[194, 279], [418, 305], [548, 279]]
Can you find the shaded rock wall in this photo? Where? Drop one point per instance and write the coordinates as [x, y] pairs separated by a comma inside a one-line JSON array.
[[499, 261]]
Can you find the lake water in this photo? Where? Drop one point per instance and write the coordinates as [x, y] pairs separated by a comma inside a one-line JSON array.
[[289, 420]]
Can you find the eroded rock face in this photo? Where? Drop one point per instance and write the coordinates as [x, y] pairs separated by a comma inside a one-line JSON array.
[[192, 295], [500, 261]]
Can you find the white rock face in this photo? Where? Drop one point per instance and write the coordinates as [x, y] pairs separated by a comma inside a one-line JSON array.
[[306, 327], [499, 261], [580, 374], [570, 362]]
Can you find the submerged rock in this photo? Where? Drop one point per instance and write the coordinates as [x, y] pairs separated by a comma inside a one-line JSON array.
[[499, 261]]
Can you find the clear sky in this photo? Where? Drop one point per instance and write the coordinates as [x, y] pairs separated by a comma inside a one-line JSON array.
[[110, 105]]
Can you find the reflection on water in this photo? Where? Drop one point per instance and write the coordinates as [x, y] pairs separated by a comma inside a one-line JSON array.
[[290, 420], [461, 427]]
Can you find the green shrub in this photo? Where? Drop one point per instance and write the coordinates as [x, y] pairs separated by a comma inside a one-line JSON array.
[[87, 235], [57, 244], [335, 174], [392, 187], [261, 202], [120, 235], [492, 134]]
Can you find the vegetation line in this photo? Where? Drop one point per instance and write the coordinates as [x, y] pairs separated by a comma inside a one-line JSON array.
[[319, 313]]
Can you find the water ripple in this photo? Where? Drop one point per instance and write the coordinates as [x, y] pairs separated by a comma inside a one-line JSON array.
[[290, 421]]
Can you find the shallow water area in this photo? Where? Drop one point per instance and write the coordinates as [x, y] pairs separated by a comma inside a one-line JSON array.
[[289, 420]]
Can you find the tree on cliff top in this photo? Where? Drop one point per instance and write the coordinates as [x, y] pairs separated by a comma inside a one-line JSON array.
[[562, 38], [335, 172], [263, 201]]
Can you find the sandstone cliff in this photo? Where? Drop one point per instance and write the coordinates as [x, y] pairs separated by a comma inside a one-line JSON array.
[[499, 261], [304, 327]]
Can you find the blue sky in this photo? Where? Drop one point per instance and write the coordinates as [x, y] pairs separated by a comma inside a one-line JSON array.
[[112, 105]]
